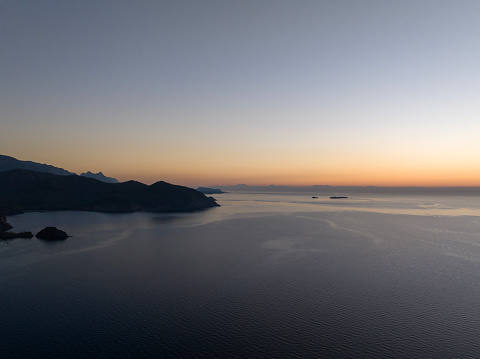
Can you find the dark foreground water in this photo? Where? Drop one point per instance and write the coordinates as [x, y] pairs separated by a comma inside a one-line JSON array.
[[263, 276]]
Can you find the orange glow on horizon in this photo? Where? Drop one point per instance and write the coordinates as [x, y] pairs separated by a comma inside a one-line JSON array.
[[260, 166], [377, 178]]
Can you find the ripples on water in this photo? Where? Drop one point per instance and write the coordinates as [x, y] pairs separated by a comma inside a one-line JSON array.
[[265, 275]]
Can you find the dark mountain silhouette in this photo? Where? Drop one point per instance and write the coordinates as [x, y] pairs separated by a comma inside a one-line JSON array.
[[8, 163], [24, 190], [99, 176]]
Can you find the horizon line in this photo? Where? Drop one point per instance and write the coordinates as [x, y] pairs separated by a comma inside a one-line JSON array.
[[357, 186]]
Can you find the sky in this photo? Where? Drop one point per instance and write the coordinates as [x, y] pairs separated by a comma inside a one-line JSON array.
[[260, 92]]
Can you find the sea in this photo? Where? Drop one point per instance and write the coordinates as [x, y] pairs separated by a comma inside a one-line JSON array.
[[266, 275]]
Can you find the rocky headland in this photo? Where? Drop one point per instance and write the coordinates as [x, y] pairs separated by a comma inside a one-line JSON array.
[[5, 226]]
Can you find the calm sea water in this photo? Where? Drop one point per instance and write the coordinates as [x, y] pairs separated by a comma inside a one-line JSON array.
[[263, 276]]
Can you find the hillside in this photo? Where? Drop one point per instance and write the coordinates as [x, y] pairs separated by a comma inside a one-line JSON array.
[[24, 190]]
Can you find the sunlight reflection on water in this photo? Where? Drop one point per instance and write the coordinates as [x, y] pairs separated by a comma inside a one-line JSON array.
[[248, 204]]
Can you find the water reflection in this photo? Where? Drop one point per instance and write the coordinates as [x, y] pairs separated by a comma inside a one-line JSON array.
[[264, 275], [413, 205]]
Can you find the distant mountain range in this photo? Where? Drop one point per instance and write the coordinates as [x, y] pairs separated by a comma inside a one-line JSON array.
[[23, 190], [10, 163], [329, 190], [99, 176], [207, 190]]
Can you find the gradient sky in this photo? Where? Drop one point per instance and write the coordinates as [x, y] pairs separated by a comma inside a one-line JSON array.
[[258, 92]]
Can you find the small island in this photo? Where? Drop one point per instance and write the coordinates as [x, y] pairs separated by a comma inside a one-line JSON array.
[[52, 234], [48, 233], [338, 197]]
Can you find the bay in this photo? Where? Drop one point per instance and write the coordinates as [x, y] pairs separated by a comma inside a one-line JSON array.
[[264, 275]]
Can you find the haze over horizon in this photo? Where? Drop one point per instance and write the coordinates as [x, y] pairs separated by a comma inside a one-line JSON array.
[[381, 93]]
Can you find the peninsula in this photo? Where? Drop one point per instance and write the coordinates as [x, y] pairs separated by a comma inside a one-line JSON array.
[[25, 190]]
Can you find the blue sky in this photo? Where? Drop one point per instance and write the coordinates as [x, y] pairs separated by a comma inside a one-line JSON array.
[[283, 92]]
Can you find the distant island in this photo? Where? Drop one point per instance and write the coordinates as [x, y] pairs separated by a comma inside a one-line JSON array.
[[206, 190], [326, 189], [8, 163], [24, 190]]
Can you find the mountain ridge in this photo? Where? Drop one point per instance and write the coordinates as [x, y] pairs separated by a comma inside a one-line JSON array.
[[99, 176], [8, 163]]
